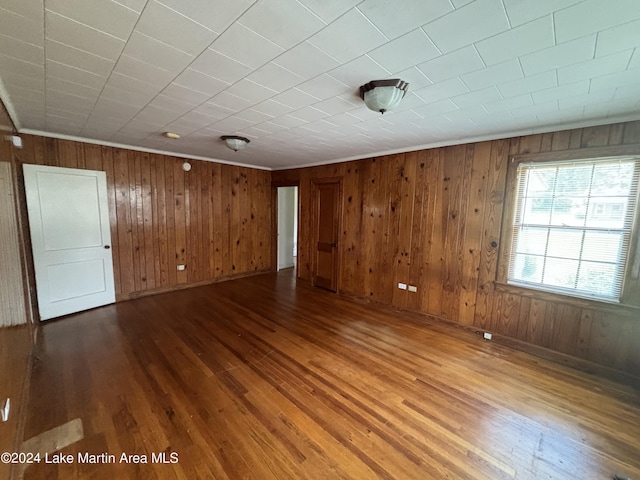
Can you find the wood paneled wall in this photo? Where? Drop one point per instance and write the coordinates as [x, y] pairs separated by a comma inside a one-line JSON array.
[[215, 219], [433, 219], [12, 300]]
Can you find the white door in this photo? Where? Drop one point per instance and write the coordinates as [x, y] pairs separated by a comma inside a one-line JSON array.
[[70, 238]]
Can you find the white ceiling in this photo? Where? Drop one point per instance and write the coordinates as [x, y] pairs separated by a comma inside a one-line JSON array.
[[286, 73]]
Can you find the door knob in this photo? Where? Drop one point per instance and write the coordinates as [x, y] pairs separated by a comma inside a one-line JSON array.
[[107, 247]]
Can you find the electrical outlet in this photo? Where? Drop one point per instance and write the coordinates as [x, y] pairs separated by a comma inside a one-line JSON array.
[[413, 288], [181, 267], [5, 410], [487, 336], [402, 286]]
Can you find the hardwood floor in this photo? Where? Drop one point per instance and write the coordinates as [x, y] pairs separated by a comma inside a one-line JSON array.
[[260, 378]]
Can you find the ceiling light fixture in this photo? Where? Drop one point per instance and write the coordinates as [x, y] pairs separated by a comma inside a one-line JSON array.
[[383, 95], [171, 135], [234, 142]]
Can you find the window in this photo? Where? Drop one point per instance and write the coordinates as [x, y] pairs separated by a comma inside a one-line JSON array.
[[572, 225]]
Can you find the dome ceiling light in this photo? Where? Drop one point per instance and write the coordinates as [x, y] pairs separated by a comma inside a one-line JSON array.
[[235, 142], [383, 95]]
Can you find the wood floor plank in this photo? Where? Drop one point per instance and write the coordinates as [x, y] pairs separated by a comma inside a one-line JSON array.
[[266, 378]]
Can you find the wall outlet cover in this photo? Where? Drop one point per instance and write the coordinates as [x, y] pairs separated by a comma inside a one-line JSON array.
[[402, 286], [487, 336], [413, 288]]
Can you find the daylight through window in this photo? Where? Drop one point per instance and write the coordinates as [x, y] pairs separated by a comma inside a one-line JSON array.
[[573, 224]]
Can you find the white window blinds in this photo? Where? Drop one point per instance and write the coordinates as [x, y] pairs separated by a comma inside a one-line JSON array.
[[573, 224]]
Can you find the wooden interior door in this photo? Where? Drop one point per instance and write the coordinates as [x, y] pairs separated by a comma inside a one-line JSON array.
[[327, 228]]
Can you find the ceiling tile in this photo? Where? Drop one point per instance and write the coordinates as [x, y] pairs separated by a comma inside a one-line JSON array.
[[27, 52], [406, 51], [295, 98], [306, 60], [274, 77], [250, 91], [219, 66], [114, 109], [216, 16], [563, 91], [324, 86], [32, 10], [286, 121], [150, 50], [471, 23], [108, 17], [478, 97], [212, 110], [266, 18], [232, 125], [335, 105], [358, 72], [618, 38], [272, 108], [135, 5], [154, 114], [137, 98], [73, 57], [123, 82], [415, 78], [36, 83], [253, 116], [589, 98], [635, 59], [246, 46], [329, 10], [75, 75], [442, 90], [452, 64], [132, 67], [200, 82], [185, 95], [621, 79], [508, 104], [74, 34], [592, 16], [518, 41], [20, 27], [525, 85], [594, 68], [495, 75], [395, 20], [65, 86], [172, 28], [170, 103], [65, 101], [520, 12], [362, 34], [561, 55], [232, 103]]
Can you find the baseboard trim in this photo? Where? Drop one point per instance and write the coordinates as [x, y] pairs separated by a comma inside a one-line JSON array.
[[184, 286], [580, 364]]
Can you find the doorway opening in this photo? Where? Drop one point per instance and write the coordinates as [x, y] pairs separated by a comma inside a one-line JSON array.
[[287, 251]]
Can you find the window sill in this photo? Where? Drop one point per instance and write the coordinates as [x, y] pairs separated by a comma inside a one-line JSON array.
[[566, 299]]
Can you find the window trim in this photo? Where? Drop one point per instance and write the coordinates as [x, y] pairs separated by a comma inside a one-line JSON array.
[[630, 294]]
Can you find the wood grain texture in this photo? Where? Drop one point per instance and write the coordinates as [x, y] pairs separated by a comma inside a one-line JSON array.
[[12, 295], [262, 378], [15, 350], [443, 218], [215, 219]]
